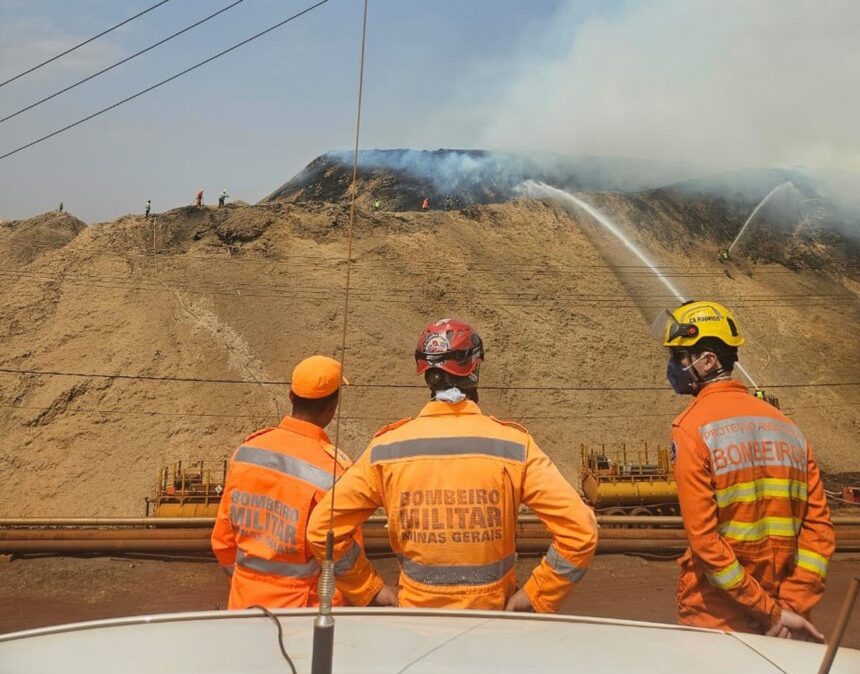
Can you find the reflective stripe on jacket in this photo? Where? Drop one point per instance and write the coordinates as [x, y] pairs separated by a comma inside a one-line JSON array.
[[754, 511], [451, 482], [275, 480]]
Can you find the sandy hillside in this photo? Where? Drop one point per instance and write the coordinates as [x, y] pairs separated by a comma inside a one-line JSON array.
[[244, 292]]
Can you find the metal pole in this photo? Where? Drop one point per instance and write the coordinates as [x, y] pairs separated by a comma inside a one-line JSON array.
[[841, 625], [323, 644]]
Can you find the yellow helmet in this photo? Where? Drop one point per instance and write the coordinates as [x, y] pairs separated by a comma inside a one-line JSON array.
[[692, 321]]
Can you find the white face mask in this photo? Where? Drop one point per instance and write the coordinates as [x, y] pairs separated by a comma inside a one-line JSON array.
[[451, 395]]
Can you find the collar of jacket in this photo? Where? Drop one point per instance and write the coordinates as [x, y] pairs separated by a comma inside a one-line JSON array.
[[729, 386], [305, 428], [721, 387], [437, 408]]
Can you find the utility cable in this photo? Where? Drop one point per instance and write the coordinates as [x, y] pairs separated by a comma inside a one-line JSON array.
[[277, 622], [399, 295], [85, 42], [212, 415], [276, 382], [119, 63], [165, 81], [349, 257], [385, 263]]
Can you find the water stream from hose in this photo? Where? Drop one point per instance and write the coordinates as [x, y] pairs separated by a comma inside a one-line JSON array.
[[539, 190], [755, 211]]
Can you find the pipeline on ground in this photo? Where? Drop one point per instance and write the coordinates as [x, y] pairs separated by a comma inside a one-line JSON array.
[[619, 534], [209, 522]]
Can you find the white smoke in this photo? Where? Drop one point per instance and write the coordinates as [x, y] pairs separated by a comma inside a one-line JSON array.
[[727, 83]]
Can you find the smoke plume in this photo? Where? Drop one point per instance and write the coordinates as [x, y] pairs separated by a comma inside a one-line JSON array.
[[726, 83]]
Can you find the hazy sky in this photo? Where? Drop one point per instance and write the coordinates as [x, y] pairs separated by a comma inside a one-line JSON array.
[[246, 122], [725, 82]]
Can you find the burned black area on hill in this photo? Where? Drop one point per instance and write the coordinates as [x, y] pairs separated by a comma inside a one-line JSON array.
[[793, 220], [451, 179]]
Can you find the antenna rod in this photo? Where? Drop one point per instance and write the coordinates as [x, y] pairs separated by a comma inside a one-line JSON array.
[[323, 648], [841, 625]]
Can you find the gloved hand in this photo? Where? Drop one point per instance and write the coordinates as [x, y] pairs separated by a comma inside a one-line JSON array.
[[792, 625]]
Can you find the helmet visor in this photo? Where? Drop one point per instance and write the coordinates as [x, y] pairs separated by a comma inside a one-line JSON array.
[[662, 325], [666, 328]]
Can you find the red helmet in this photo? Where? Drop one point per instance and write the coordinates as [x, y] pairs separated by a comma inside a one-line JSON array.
[[449, 345]]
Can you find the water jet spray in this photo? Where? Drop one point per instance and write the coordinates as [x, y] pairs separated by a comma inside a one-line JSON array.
[[539, 190], [755, 211]]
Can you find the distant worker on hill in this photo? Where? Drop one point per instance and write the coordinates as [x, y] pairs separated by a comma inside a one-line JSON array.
[[198, 200], [451, 481], [222, 198], [376, 204], [274, 481], [61, 207], [751, 497], [148, 208], [425, 205]]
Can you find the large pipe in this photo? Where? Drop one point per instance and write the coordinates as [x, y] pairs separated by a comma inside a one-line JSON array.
[[101, 534], [377, 545], [157, 522], [107, 522], [370, 533]]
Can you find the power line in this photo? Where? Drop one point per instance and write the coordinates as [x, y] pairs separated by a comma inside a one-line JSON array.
[[129, 281], [85, 42], [286, 382], [635, 271], [493, 300], [501, 298], [217, 415], [164, 81], [695, 270], [119, 63]]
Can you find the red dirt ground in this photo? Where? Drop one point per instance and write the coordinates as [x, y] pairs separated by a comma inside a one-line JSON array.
[[37, 592]]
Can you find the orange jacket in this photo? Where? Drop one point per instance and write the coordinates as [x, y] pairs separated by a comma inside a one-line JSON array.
[[754, 511], [275, 480], [452, 481]]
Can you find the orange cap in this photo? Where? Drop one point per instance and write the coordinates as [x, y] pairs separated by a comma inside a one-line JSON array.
[[317, 377]]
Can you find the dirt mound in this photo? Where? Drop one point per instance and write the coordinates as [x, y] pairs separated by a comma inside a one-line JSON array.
[[21, 241], [208, 309]]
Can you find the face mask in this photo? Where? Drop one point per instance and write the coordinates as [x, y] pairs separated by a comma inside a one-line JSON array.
[[451, 395], [680, 377]]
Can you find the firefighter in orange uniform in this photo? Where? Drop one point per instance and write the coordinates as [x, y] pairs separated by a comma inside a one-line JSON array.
[[276, 478], [451, 481], [751, 496]]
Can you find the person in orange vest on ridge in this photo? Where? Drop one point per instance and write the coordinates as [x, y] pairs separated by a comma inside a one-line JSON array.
[[451, 481], [198, 200], [275, 479], [751, 497], [425, 205]]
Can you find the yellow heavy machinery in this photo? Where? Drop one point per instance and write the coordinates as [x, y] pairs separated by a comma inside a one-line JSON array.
[[188, 489], [615, 481], [628, 481]]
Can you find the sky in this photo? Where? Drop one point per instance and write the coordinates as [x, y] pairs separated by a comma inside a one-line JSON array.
[[728, 83], [246, 122]]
